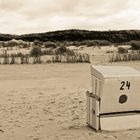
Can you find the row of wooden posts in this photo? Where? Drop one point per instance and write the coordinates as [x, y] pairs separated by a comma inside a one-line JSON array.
[[26, 59], [125, 57]]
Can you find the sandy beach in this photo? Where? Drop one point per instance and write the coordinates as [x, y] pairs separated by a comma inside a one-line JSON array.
[[48, 102]]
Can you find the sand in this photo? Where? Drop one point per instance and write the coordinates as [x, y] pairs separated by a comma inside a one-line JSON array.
[[48, 102]]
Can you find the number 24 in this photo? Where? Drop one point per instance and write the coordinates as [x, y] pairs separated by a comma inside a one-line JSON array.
[[123, 83]]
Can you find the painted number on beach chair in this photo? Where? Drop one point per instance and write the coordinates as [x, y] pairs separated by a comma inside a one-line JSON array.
[[125, 84]]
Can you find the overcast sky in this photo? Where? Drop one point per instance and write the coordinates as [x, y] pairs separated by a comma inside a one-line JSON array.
[[27, 16]]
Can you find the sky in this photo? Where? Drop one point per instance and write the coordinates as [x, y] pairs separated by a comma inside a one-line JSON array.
[[31, 16]]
